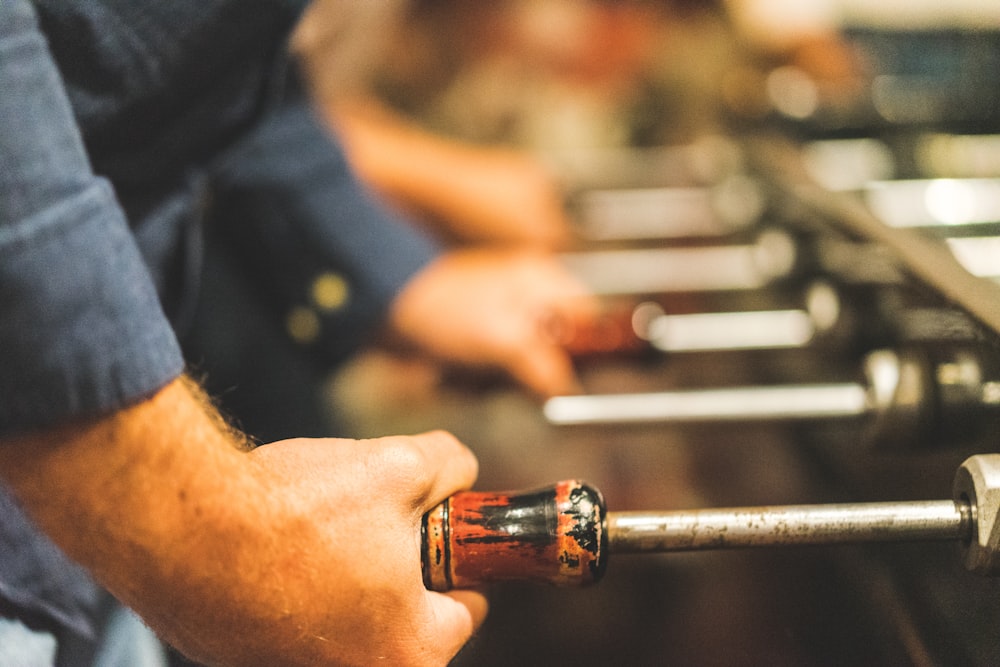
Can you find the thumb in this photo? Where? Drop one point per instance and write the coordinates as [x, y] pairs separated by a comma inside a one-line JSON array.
[[457, 615], [545, 369]]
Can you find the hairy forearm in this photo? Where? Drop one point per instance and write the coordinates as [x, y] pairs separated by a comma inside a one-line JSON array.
[[143, 498], [118, 463]]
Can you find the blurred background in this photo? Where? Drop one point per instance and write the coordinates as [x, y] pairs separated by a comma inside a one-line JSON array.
[[713, 157]]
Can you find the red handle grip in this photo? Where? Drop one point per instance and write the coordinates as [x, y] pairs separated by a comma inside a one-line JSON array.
[[555, 535]]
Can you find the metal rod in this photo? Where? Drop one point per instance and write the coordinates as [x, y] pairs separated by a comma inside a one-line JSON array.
[[668, 212], [669, 270], [731, 331], [739, 404], [935, 202], [724, 528], [980, 255]]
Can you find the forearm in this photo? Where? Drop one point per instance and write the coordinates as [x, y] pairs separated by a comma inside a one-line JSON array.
[[142, 498]]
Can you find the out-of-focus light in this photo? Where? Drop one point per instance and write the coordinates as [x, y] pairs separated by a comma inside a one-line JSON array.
[[731, 331], [959, 156], [935, 202], [848, 164], [980, 255], [792, 92], [951, 202], [708, 268]]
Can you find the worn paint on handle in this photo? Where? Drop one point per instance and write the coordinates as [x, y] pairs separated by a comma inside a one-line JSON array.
[[554, 535]]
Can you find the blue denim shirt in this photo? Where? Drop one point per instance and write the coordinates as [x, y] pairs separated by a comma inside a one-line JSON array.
[[117, 119]]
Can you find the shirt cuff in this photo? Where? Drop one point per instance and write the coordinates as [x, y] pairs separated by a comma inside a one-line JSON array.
[[327, 254], [83, 332]]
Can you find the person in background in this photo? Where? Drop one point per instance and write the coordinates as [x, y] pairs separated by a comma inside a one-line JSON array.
[[493, 216]]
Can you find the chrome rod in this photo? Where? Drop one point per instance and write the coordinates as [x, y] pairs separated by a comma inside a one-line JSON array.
[[739, 404], [766, 526], [665, 270]]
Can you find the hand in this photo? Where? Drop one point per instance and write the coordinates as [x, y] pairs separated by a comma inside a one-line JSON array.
[[503, 196], [301, 552], [493, 308], [351, 561], [470, 193]]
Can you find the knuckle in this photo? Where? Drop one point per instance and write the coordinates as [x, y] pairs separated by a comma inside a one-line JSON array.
[[402, 455]]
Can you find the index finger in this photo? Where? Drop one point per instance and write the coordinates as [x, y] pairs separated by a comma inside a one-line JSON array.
[[456, 466]]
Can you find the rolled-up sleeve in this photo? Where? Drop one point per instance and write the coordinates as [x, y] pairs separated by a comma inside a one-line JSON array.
[[82, 331], [328, 254]]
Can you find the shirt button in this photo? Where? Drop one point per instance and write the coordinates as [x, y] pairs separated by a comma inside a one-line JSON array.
[[302, 324], [330, 291]]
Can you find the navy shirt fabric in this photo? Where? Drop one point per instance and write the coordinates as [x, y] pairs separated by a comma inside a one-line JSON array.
[[282, 172], [81, 329], [124, 126]]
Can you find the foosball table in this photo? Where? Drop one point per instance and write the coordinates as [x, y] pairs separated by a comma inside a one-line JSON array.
[[790, 417]]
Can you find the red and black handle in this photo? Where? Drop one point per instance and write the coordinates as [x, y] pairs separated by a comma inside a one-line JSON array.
[[555, 535]]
